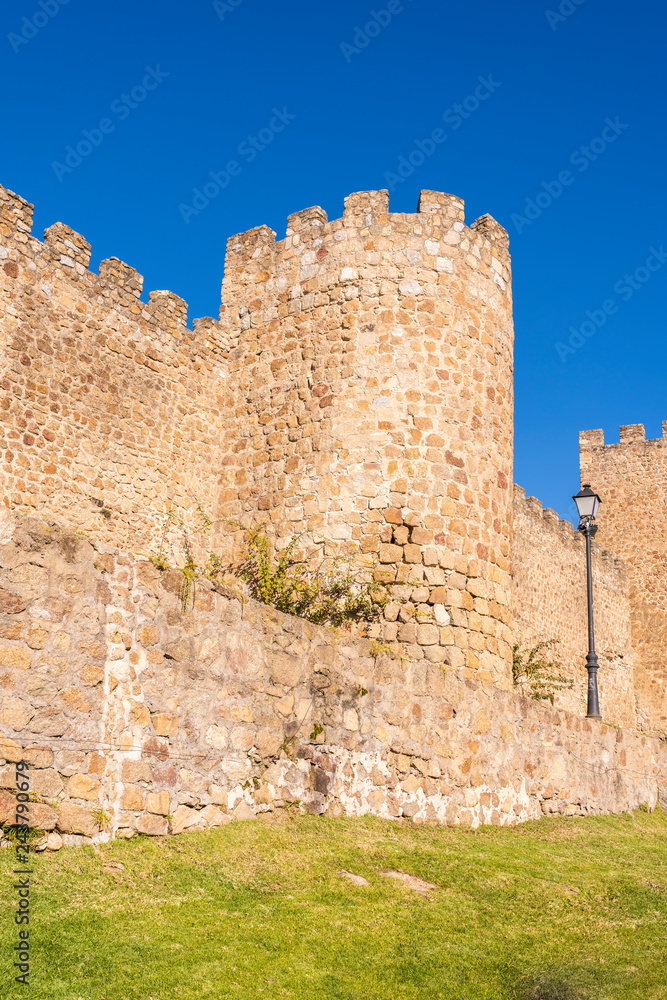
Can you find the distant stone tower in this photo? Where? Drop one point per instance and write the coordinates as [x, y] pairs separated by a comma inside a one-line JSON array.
[[370, 390], [631, 478]]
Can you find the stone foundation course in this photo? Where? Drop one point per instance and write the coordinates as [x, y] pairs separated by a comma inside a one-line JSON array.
[[143, 708]]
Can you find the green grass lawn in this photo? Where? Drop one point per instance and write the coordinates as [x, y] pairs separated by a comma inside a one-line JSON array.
[[555, 910]]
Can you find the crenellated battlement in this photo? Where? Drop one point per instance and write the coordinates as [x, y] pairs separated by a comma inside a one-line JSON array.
[[427, 244], [628, 434], [65, 254], [366, 214], [312, 255]]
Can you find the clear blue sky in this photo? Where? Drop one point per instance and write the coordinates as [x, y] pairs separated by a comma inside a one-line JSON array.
[[356, 113]]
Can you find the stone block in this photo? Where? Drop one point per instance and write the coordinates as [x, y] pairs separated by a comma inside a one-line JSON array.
[[165, 723], [158, 803], [91, 675], [244, 811], [285, 705], [268, 744], [407, 632], [219, 795], [10, 603], [14, 656], [76, 819], [351, 720], [16, 713], [74, 698], [81, 786], [9, 750], [284, 669], [183, 818], [46, 783], [242, 739], [41, 816], [212, 816], [49, 721], [135, 770], [481, 723], [216, 737], [391, 553], [421, 536], [428, 635], [152, 826], [148, 635], [132, 798]]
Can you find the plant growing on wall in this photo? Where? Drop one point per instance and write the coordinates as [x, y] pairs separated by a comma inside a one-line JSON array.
[[331, 594], [535, 674]]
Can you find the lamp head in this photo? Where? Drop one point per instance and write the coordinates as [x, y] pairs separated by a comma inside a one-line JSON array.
[[587, 502]]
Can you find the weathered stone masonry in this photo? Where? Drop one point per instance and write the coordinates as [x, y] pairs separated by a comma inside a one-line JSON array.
[[549, 601], [138, 715], [372, 389], [108, 403], [358, 385], [631, 477]]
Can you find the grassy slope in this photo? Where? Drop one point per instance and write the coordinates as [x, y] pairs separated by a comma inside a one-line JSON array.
[[258, 910]]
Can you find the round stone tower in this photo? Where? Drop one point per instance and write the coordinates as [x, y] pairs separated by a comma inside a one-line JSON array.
[[370, 403]]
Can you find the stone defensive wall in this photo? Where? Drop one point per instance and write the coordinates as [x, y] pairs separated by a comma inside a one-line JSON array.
[[372, 389], [358, 387], [112, 409], [142, 709], [549, 602], [631, 478]]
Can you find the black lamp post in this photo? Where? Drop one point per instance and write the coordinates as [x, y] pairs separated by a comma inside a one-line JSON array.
[[587, 504]]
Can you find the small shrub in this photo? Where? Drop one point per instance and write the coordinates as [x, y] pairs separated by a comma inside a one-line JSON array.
[[102, 818], [382, 649], [535, 674], [10, 833], [330, 595]]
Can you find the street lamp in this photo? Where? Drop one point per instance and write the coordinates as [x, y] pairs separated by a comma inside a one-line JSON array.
[[587, 505]]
